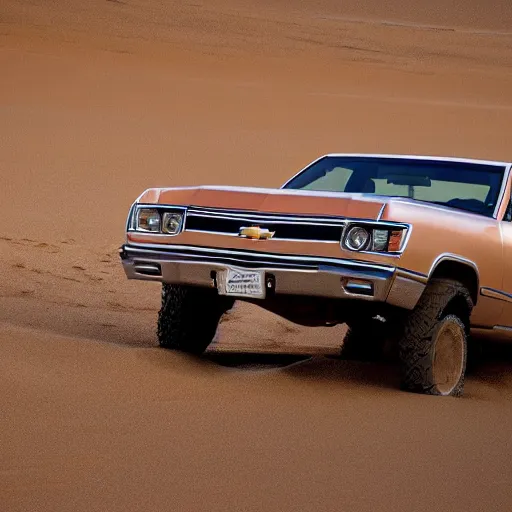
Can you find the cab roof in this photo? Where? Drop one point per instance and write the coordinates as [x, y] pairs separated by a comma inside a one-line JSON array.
[[419, 157]]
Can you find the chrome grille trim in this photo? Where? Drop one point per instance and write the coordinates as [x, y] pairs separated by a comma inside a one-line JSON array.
[[287, 227], [267, 217], [235, 235]]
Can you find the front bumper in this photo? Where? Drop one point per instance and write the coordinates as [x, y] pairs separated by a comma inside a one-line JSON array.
[[291, 275]]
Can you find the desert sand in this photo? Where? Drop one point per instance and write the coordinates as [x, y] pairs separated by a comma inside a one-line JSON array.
[[102, 99]]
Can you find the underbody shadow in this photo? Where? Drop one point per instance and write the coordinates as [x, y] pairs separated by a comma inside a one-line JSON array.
[[493, 366], [254, 361], [316, 368]]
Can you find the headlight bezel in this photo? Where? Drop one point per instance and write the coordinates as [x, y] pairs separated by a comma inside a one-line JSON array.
[[376, 229], [162, 211]]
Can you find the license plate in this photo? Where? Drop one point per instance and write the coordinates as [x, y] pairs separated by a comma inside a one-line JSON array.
[[242, 283]]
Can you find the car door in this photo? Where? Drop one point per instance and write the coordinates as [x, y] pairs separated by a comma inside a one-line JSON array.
[[506, 292]]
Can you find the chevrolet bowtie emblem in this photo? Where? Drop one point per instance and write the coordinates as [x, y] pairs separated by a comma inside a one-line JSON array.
[[256, 233]]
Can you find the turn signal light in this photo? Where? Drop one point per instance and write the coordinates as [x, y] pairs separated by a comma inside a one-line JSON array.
[[395, 240]]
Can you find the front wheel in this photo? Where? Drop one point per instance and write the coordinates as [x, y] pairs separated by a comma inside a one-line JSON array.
[[433, 348], [189, 317]]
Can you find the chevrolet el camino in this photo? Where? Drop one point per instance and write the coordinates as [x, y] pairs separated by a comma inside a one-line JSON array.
[[409, 250]]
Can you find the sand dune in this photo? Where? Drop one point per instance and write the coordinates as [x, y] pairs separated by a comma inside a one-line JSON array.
[[100, 100], [100, 427]]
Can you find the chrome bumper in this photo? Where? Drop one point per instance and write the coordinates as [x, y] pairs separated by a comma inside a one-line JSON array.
[[290, 275]]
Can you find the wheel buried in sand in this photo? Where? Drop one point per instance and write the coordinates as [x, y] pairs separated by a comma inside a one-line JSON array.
[[449, 343], [189, 317], [433, 348]]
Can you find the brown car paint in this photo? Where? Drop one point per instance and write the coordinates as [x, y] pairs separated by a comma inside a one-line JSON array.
[[437, 232]]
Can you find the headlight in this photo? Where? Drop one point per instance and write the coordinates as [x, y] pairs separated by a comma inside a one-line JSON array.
[[385, 239], [148, 220], [171, 223], [357, 238], [163, 220], [380, 239]]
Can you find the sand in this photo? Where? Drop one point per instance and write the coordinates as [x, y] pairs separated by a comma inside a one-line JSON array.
[[100, 100]]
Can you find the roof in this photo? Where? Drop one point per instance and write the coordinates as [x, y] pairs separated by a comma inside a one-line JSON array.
[[418, 157]]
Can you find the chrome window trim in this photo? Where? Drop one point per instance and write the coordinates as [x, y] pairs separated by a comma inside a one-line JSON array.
[[303, 169], [501, 196], [506, 171], [403, 157], [429, 158]]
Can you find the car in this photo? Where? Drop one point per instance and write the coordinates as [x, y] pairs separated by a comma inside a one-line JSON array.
[[412, 252]]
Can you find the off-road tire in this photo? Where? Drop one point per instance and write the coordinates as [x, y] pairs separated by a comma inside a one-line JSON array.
[[189, 317], [433, 347]]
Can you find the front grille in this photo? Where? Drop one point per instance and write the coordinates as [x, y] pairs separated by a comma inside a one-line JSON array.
[[285, 227]]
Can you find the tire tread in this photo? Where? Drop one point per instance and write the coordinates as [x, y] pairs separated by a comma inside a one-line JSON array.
[[188, 317], [415, 346]]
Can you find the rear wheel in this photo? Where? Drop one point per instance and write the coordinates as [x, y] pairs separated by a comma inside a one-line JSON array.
[[189, 317], [433, 348]]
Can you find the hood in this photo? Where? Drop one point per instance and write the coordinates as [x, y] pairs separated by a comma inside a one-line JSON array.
[[304, 202]]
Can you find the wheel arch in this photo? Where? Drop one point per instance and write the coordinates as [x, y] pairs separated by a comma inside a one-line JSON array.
[[451, 266]]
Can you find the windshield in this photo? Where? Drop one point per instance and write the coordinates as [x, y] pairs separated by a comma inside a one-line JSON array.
[[473, 187]]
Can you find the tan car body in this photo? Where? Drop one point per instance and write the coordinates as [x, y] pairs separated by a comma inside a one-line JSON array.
[[479, 247]]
